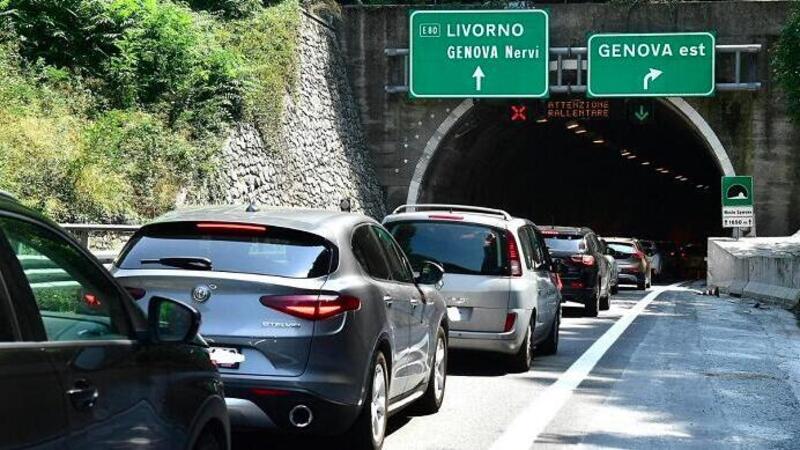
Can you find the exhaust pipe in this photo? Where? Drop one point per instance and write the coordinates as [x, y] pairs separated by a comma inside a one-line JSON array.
[[301, 416]]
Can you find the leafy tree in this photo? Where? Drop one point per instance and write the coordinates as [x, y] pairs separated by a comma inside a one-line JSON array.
[[64, 33], [786, 62]]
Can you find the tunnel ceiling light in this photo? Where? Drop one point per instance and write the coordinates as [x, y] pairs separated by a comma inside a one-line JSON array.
[[631, 156], [665, 171], [572, 125], [542, 120], [699, 186], [624, 153], [598, 141], [580, 130], [645, 163]]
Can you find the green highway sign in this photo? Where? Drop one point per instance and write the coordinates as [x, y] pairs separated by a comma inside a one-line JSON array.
[[486, 53], [737, 191], [737, 202], [651, 65]]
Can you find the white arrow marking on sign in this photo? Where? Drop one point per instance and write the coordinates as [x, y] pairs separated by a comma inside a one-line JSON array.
[[652, 75], [478, 75]]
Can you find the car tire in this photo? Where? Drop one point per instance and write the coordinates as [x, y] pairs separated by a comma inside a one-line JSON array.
[[521, 361], [605, 303], [615, 289], [550, 345], [649, 281], [592, 305], [431, 401], [366, 435], [209, 440]]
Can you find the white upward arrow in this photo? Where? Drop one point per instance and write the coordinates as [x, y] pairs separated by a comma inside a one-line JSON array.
[[652, 75], [478, 75]]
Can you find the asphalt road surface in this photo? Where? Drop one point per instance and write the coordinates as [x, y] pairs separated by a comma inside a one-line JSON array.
[[667, 368]]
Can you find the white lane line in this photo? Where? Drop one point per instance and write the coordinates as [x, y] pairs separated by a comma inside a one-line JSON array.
[[526, 427]]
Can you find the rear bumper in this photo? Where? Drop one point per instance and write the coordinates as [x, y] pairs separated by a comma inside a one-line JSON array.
[[250, 410], [508, 342], [584, 295]]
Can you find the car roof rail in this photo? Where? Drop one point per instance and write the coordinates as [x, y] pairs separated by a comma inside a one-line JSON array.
[[451, 208], [8, 196]]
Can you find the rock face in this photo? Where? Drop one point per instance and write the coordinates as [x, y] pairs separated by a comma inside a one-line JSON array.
[[320, 157]]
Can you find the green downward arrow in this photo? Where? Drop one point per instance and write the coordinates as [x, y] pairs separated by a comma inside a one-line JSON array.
[[641, 114]]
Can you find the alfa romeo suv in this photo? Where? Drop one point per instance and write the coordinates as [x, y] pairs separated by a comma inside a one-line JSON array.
[[316, 321]]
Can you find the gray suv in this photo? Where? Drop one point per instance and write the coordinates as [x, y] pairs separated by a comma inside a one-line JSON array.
[[500, 286], [316, 321]]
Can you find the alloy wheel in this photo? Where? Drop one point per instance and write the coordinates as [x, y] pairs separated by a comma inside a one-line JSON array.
[[378, 405], [440, 368]]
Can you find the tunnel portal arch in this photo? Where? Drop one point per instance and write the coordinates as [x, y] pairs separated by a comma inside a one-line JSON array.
[[681, 107]]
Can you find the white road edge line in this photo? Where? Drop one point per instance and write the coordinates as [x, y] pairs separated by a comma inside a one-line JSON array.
[[523, 432]]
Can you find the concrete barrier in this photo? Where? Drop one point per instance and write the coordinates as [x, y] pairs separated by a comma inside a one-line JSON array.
[[766, 269]]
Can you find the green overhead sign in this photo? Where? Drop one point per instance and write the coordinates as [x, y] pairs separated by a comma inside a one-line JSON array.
[[462, 54], [651, 65], [737, 202]]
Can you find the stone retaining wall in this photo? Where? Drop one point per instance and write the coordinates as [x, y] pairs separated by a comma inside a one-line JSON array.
[[320, 157]]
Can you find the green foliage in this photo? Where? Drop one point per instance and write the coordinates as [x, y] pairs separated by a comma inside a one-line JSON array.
[[267, 44], [230, 9], [152, 161], [786, 62], [170, 59], [111, 108], [64, 33]]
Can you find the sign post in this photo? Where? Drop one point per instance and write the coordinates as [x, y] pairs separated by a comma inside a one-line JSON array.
[[737, 202], [479, 54], [651, 65]]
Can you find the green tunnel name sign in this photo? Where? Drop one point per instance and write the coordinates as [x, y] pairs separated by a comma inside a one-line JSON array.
[[485, 53], [651, 65]]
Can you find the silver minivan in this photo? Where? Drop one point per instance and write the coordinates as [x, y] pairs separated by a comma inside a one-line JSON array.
[[500, 286]]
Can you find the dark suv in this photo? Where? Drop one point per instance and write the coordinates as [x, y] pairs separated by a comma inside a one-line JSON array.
[[81, 366], [584, 270]]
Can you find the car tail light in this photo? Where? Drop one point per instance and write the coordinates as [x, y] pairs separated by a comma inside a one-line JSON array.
[[312, 306], [577, 284], [136, 293], [638, 255], [586, 260], [445, 217], [230, 227], [511, 319], [556, 278], [265, 392], [92, 301], [514, 261]]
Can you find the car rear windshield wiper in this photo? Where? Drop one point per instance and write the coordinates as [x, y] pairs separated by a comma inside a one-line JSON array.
[[184, 262]]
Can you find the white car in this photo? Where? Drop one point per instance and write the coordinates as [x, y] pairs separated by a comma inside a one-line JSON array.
[[500, 286]]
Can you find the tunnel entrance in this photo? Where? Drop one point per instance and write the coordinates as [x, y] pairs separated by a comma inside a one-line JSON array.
[[635, 168]]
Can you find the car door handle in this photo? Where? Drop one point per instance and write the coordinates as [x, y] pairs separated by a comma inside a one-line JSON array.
[[388, 299], [415, 301], [83, 395]]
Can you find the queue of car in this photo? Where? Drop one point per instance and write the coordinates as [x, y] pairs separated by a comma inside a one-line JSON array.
[[292, 320]]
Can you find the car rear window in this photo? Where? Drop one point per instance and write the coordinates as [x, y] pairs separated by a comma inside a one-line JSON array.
[[565, 243], [462, 248], [627, 249], [239, 248]]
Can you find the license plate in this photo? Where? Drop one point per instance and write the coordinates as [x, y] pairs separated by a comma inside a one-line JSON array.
[[454, 314], [226, 357]]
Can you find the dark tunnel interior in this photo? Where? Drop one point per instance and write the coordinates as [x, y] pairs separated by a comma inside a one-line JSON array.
[[633, 168]]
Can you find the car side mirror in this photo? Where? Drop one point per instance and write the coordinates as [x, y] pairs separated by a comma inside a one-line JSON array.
[[430, 273], [171, 321]]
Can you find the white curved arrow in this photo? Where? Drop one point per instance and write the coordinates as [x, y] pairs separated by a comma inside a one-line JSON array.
[[651, 75], [478, 75]]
